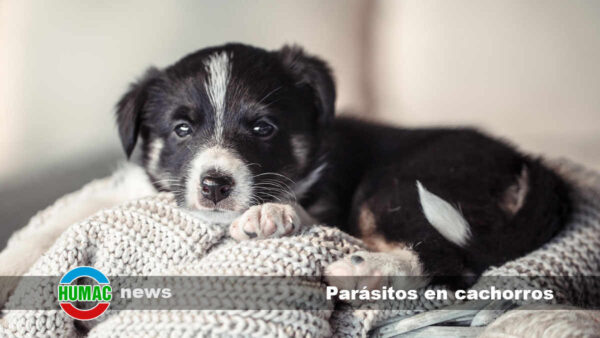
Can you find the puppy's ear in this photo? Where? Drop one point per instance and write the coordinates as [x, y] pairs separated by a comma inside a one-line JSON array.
[[315, 73], [129, 110]]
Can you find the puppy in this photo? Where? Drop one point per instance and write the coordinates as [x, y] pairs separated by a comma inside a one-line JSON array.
[[247, 138]]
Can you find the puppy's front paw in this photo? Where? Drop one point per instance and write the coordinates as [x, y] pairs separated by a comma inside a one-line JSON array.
[[265, 220]]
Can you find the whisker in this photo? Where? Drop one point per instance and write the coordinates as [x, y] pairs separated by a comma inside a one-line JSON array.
[[284, 194], [270, 103], [251, 164], [269, 94], [275, 174], [271, 195], [282, 184]]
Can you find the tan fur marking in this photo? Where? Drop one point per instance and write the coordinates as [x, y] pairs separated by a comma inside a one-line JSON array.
[[514, 197], [366, 221], [376, 242], [369, 235]]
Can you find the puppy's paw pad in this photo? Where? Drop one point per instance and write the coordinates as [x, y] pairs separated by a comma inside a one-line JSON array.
[[264, 221], [355, 272], [401, 269]]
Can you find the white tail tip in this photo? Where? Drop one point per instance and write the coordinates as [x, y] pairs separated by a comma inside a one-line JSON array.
[[448, 221]]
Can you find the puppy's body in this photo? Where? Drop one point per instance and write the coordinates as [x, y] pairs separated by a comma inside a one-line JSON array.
[[247, 137], [238, 133], [455, 198]]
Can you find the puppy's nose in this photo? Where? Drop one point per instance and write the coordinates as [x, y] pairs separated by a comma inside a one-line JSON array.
[[216, 187]]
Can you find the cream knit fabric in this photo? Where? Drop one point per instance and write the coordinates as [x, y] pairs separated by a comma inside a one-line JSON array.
[[543, 321], [152, 236]]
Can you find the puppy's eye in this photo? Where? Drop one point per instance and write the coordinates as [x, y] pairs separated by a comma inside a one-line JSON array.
[[183, 130], [263, 128]]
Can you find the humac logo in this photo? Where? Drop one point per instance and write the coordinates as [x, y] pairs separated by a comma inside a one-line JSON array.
[[100, 293]]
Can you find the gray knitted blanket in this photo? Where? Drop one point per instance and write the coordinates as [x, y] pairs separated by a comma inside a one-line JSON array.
[[152, 236]]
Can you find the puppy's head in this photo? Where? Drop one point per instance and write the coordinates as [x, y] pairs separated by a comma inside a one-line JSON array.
[[228, 127]]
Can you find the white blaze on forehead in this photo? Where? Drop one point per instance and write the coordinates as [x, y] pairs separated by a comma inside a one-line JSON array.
[[224, 161], [448, 221], [218, 70]]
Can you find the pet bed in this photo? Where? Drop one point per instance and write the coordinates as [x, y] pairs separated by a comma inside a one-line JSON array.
[[151, 236]]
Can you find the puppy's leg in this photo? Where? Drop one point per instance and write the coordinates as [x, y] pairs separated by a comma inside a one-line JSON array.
[[405, 251], [400, 267], [269, 220], [393, 263]]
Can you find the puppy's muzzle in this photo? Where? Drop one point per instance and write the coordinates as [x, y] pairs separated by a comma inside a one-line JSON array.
[[216, 186]]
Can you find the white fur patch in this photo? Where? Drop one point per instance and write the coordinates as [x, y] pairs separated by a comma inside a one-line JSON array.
[[131, 182], [304, 185], [300, 149], [226, 161], [154, 152], [218, 71], [448, 221]]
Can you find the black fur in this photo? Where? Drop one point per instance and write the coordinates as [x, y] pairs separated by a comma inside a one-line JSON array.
[[363, 164], [378, 166], [129, 110]]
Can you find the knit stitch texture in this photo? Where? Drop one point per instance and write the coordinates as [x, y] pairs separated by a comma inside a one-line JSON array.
[[151, 236]]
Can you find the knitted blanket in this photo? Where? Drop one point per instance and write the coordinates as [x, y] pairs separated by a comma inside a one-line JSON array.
[[151, 236]]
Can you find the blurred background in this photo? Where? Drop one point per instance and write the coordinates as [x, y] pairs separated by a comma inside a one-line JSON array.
[[525, 70]]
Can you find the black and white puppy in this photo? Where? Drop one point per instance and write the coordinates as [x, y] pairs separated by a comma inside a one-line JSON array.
[[247, 137]]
